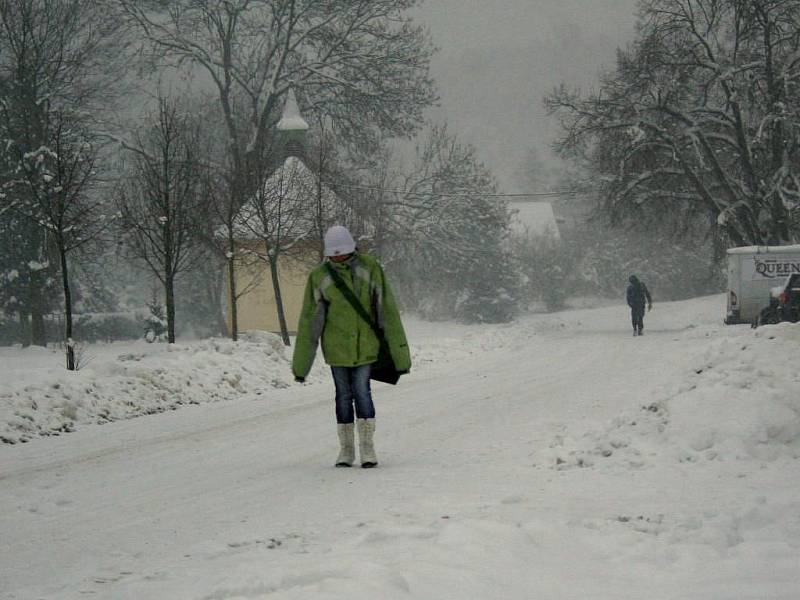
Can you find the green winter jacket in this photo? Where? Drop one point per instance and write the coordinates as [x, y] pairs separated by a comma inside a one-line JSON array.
[[347, 339]]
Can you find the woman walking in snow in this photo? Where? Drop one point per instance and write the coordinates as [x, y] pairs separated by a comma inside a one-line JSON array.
[[349, 305]]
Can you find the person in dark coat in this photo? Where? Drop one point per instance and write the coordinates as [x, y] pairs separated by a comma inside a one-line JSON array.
[[638, 295]]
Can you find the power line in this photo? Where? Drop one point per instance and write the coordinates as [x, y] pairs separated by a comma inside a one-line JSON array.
[[553, 194]]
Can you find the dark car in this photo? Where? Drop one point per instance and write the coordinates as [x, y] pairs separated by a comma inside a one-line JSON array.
[[784, 303]]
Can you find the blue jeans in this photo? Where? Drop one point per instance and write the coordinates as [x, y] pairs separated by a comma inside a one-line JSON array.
[[352, 384]]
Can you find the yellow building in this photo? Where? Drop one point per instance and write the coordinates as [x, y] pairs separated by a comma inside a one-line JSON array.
[[257, 307]]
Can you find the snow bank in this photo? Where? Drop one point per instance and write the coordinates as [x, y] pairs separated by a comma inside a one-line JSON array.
[[124, 380], [120, 381], [741, 401]]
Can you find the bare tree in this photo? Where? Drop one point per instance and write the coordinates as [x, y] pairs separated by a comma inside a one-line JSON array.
[[700, 119], [59, 182], [162, 209], [322, 154], [362, 63], [222, 236]]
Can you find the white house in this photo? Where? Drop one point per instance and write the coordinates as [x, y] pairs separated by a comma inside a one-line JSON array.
[[533, 219]]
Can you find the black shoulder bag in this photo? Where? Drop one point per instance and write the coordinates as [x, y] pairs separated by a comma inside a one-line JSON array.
[[383, 369]]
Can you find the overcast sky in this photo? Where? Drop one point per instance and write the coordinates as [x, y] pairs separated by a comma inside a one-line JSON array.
[[498, 58]]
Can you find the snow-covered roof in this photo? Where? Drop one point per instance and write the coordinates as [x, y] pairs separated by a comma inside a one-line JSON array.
[[291, 120], [792, 249], [533, 218], [296, 187]]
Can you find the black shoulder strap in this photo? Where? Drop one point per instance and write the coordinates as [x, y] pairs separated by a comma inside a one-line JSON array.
[[351, 298]]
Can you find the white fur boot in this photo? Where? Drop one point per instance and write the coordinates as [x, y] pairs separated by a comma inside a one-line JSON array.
[[347, 445], [366, 429]]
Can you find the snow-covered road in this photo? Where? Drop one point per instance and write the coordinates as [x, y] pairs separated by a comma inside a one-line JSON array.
[[555, 458]]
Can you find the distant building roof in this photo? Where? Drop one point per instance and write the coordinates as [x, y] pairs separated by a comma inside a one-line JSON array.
[[533, 218], [296, 186], [291, 120]]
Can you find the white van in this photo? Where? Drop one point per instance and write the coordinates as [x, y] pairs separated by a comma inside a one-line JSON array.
[[752, 272]]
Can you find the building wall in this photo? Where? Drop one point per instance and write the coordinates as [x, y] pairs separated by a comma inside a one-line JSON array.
[[257, 309]]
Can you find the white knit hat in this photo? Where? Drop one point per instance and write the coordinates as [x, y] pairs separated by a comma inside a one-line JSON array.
[[338, 241]]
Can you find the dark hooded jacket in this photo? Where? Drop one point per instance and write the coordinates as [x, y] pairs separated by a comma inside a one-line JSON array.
[[638, 295]]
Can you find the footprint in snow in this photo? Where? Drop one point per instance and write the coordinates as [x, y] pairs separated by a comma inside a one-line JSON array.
[[270, 544]]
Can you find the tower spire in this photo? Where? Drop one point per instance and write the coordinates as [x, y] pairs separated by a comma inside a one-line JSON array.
[[291, 119]]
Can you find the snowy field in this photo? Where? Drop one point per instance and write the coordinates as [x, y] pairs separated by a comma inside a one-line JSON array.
[[555, 458]]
